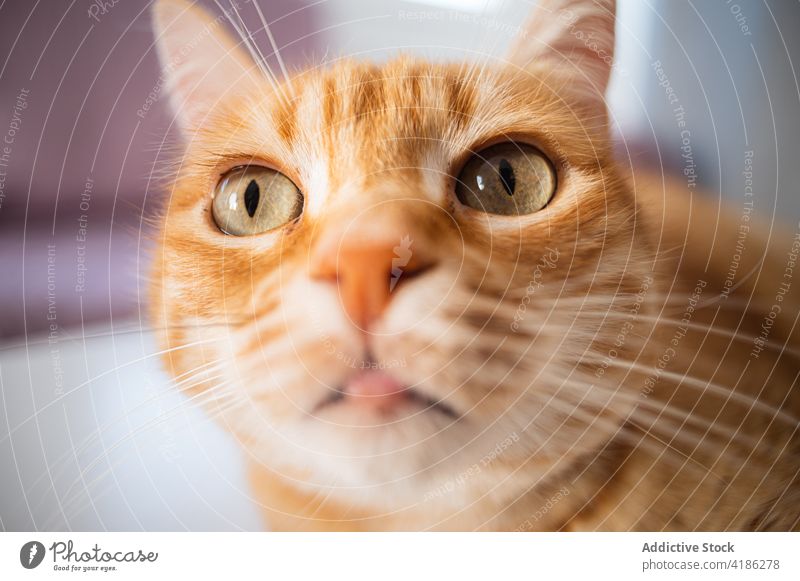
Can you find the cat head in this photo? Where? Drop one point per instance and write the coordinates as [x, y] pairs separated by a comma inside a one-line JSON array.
[[375, 274]]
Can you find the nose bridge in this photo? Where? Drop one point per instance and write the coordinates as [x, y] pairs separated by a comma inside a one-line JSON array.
[[381, 221], [381, 207]]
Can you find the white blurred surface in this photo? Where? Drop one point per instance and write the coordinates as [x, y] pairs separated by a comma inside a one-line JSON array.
[[105, 443]]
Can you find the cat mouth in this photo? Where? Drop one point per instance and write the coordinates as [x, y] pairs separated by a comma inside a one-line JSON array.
[[379, 393]]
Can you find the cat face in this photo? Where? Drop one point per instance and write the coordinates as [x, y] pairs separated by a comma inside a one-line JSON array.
[[374, 275]]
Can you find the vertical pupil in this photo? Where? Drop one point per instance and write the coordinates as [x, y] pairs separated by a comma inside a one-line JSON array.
[[507, 176], [251, 196]]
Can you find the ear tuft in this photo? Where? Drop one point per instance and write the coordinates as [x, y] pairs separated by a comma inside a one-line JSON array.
[[574, 35], [200, 61]]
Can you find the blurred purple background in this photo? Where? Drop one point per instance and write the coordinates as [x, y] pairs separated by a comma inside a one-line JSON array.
[[74, 181], [75, 76]]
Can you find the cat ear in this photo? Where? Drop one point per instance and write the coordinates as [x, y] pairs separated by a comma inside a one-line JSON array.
[[201, 62], [576, 36]]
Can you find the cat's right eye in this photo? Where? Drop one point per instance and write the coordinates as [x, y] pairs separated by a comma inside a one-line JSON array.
[[511, 179], [255, 199]]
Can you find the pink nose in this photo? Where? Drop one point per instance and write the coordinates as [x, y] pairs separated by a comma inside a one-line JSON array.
[[367, 258], [375, 390]]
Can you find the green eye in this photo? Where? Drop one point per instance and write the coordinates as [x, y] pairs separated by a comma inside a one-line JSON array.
[[254, 199], [511, 179]]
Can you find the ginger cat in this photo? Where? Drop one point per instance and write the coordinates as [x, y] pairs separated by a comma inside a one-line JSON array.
[[426, 296]]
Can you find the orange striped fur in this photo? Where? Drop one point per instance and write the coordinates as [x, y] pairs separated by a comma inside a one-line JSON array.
[[550, 367]]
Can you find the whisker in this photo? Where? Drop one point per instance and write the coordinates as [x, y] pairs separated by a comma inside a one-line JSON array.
[[59, 466], [137, 431], [115, 369], [713, 388]]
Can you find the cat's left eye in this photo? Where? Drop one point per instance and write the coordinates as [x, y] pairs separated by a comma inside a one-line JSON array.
[[510, 179], [254, 199]]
